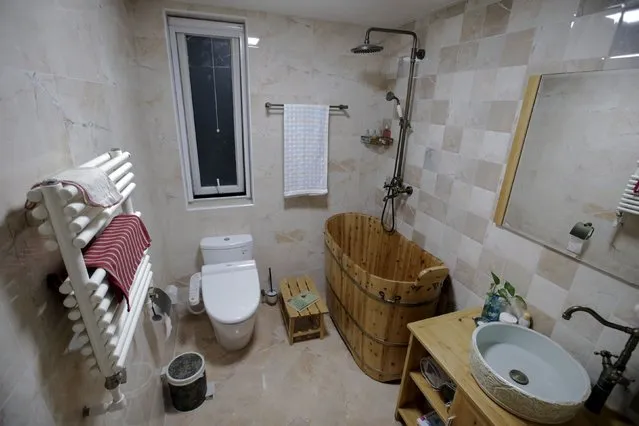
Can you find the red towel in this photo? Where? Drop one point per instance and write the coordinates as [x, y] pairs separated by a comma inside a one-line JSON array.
[[119, 250]]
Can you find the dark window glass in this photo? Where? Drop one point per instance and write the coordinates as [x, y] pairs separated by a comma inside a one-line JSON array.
[[211, 74]]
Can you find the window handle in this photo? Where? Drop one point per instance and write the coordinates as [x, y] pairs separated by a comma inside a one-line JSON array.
[[218, 185]]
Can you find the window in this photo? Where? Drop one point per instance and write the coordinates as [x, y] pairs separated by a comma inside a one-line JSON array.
[[210, 80]]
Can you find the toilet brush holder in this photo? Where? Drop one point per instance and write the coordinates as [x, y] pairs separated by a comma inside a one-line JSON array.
[[270, 297]]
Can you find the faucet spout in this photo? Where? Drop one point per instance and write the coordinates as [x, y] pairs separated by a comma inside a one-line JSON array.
[[568, 314]]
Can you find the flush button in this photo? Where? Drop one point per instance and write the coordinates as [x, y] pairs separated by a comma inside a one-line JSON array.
[[227, 239]]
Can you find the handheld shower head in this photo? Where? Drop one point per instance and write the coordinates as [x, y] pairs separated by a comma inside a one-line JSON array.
[[390, 96]]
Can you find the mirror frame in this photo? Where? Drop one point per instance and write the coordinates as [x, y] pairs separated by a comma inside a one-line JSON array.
[[530, 96]]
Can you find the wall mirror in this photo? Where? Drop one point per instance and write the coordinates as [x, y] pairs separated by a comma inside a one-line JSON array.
[[573, 158]]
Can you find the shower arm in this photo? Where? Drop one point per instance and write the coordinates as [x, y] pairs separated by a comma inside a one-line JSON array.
[[395, 31], [405, 121]]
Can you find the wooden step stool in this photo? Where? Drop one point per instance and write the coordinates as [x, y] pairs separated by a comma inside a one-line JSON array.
[[308, 323]]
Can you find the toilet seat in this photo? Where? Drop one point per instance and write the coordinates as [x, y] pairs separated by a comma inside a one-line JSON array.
[[231, 291]]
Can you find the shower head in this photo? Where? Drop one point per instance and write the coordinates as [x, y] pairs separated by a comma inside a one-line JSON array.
[[390, 96], [367, 47]]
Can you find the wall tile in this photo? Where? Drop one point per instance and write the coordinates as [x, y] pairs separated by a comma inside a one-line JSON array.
[[467, 170], [469, 251], [443, 187], [448, 59], [517, 48], [467, 56], [502, 116], [464, 272], [518, 276], [482, 202], [558, 11], [541, 321], [512, 81], [472, 141], [557, 268], [475, 227], [524, 14], [488, 174], [439, 114], [460, 195], [550, 43], [484, 85], [426, 86], [432, 206], [547, 296], [576, 345], [419, 238], [473, 24], [489, 262], [428, 181], [451, 32], [456, 219], [495, 146], [452, 139], [444, 86], [490, 52], [497, 17]]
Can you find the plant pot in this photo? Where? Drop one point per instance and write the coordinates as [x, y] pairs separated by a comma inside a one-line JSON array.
[[492, 307]]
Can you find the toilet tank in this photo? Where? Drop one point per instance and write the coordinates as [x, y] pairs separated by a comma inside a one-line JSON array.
[[228, 248]]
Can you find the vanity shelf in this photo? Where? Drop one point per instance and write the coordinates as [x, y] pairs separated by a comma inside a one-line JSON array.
[[447, 340]]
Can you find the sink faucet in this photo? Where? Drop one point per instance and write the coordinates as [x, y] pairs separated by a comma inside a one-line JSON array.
[[612, 373]]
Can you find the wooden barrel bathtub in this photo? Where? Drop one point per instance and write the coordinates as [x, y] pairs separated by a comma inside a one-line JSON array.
[[377, 283]]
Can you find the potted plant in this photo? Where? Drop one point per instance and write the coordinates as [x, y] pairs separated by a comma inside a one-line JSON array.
[[500, 295]]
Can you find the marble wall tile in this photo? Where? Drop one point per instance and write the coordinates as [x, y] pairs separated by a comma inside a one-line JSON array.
[[448, 59], [546, 296], [541, 321], [452, 138], [502, 116], [518, 276], [488, 174], [557, 268], [497, 17], [517, 48], [473, 24], [475, 227]]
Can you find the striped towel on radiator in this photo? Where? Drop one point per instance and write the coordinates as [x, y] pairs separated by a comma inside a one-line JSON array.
[[119, 250]]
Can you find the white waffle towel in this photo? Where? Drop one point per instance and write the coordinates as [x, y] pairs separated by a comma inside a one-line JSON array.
[[94, 184], [305, 150]]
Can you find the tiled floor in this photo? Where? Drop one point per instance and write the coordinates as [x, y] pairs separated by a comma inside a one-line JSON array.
[[271, 383]]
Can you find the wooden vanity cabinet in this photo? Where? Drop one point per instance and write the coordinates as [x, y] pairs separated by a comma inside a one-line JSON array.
[[447, 340]]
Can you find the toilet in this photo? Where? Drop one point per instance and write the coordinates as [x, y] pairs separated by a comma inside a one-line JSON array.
[[230, 288]]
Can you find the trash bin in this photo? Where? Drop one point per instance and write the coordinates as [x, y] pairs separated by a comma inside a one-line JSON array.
[[186, 378]]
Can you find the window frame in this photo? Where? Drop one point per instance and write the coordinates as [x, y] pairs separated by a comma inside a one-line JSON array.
[[178, 27]]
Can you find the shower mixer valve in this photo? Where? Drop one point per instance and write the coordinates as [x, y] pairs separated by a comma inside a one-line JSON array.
[[396, 187]]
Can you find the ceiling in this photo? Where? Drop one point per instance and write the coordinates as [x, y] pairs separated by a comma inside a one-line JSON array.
[[386, 13]]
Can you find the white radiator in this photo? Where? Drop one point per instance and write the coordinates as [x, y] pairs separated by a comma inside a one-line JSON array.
[[104, 326], [629, 202]]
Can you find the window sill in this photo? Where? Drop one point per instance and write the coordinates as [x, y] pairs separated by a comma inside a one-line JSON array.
[[221, 203]]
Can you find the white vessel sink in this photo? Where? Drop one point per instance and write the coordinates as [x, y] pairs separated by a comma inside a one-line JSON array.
[[527, 373]]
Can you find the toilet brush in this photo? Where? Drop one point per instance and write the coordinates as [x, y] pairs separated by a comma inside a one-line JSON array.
[[271, 295]]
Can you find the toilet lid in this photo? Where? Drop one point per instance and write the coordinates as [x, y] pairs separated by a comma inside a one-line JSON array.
[[231, 296]]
